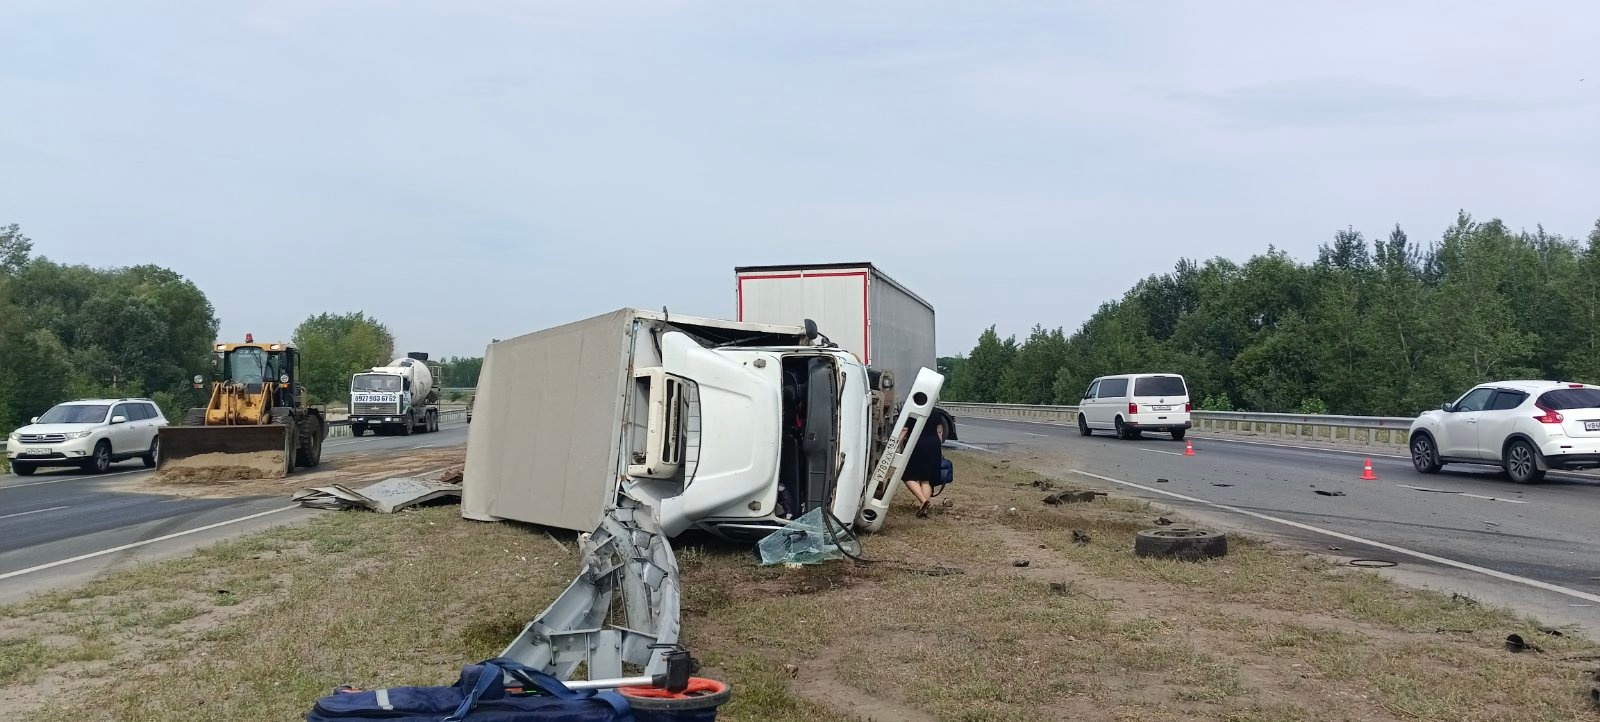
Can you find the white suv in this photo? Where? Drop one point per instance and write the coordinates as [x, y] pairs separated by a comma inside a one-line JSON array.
[[1132, 404], [1526, 427], [92, 434]]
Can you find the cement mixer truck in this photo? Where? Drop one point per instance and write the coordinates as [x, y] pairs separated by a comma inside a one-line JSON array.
[[396, 399]]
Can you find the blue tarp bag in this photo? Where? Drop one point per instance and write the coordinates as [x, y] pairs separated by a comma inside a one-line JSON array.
[[947, 472], [480, 695]]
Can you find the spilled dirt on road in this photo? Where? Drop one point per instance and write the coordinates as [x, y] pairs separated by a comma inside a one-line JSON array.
[[345, 469]]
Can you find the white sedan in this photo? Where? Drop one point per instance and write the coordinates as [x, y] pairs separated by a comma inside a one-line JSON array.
[[1525, 427]]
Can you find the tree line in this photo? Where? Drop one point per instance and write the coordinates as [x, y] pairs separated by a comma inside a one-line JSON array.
[[72, 331], [1371, 327]]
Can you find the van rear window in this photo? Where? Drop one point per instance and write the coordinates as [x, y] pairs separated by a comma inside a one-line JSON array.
[[1159, 386], [1563, 399]]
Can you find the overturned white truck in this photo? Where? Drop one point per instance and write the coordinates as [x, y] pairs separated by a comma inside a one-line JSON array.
[[649, 424]]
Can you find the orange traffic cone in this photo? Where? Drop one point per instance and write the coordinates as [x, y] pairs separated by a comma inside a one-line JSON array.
[[1366, 474], [1188, 448]]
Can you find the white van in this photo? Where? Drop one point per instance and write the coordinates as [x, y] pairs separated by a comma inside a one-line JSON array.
[[1132, 404]]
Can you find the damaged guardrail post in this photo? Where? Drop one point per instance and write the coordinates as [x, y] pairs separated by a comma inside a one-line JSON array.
[[628, 567]]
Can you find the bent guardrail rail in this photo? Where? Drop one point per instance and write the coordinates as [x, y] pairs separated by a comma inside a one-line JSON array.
[[1377, 430], [627, 560]]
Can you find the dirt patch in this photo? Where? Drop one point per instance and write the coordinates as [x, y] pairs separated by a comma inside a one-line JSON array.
[[347, 469], [218, 467]]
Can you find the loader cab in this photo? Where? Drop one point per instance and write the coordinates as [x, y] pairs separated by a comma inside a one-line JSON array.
[[253, 365]]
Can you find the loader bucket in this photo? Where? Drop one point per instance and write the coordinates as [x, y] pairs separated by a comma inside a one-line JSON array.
[[223, 453]]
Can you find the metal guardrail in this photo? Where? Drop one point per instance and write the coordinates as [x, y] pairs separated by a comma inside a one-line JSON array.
[[1380, 430]]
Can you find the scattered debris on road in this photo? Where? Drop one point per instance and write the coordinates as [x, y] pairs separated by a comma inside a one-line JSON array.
[[1162, 481], [1079, 537], [1073, 497], [385, 497], [1223, 485], [1516, 645], [811, 539], [1325, 492], [1163, 521], [1373, 563], [1021, 563]]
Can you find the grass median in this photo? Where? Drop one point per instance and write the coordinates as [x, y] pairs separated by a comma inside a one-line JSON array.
[[941, 623]]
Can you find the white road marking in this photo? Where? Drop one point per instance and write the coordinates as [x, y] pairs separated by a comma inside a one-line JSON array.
[[970, 446], [124, 547], [1158, 451], [1042, 436], [1359, 540], [74, 477], [1215, 437], [35, 511], [1460, 493]]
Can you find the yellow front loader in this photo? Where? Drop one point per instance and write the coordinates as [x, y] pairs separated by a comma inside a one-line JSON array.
[[257, 424]]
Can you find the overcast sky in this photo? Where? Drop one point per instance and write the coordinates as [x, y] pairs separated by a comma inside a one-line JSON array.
[[466, 170]]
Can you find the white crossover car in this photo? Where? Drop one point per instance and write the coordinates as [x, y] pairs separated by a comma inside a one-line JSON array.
[[1526, 427], [91, 434]]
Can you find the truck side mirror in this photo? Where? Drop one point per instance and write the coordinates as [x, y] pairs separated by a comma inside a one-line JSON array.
[[811, 330]]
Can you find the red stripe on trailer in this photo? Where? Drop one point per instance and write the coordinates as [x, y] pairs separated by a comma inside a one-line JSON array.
[[866, 331]]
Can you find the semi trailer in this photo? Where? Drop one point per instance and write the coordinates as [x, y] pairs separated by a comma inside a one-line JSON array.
[[858, 306]]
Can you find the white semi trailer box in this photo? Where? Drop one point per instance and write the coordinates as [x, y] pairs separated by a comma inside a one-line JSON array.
[[857, 306]]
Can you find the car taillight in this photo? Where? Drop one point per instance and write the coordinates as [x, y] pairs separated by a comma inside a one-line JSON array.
[[1133, 409], [1551, 416], [1188, 407]]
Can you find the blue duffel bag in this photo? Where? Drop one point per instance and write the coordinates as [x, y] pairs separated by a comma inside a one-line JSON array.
[[479, 696], [947, 472]]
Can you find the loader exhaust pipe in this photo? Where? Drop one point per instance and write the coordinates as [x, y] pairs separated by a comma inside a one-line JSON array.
[[224, 453]]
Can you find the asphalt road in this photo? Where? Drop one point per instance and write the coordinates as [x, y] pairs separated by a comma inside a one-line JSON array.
[[1536, 547], [59, 515]]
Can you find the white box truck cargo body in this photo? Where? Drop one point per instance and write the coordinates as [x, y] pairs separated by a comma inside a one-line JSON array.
[[855, 305]]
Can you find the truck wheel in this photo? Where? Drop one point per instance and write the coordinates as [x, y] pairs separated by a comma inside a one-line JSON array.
[[311, 455], [1176, 542], [433, 421], [291, 447], [406, 428], [358, 431]]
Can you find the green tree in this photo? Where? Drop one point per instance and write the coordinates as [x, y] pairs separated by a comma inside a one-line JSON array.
[[978, 379], [74, 331], [1388, 327], [14, 248], [1030, 377], [335, 347], [460, 372]]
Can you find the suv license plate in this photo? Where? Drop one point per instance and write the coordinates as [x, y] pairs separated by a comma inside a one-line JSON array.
[[1160, 408], [1591, 426], [36, 452]]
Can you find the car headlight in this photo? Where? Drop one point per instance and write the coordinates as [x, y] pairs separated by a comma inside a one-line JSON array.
[[78, 434], [15, 436]]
